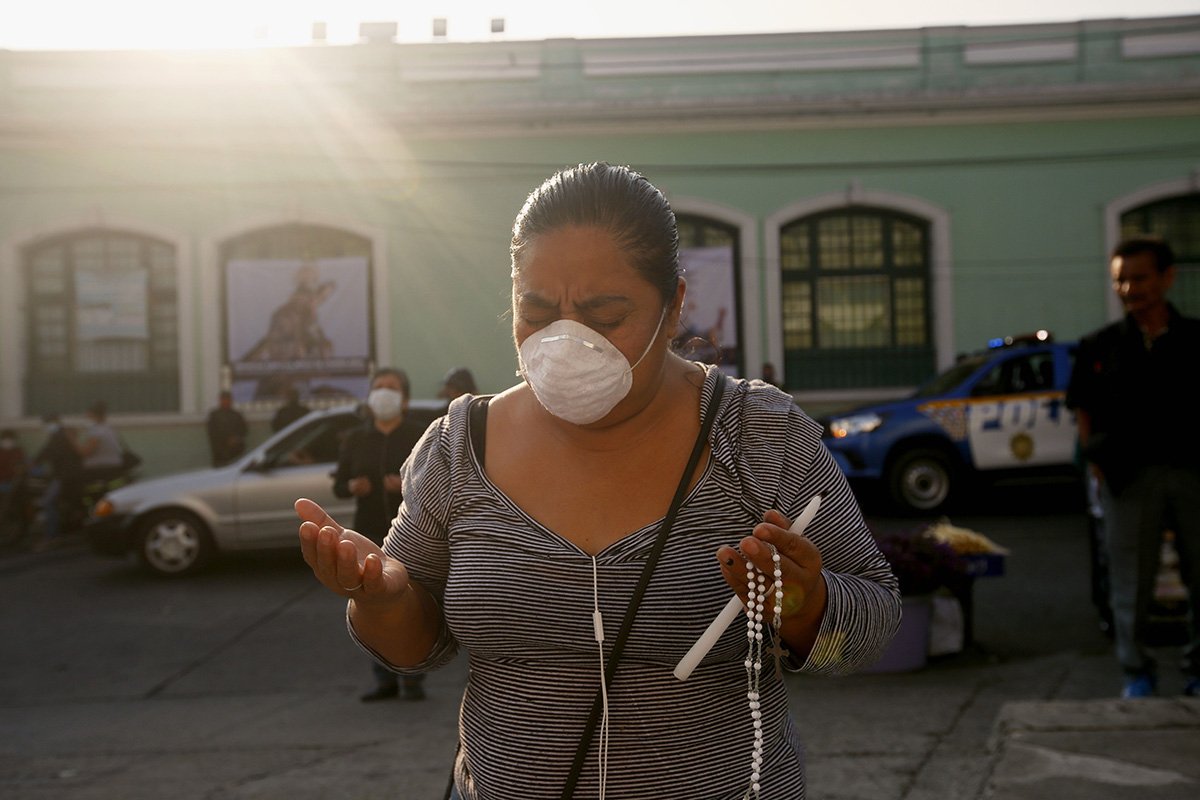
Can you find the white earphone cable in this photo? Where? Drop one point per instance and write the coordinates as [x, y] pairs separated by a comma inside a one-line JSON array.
[[598, 626]]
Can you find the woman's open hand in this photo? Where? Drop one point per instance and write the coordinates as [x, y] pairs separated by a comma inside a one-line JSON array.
[[345, 561]]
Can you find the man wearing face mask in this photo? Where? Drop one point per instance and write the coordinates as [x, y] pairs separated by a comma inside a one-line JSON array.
[[369, 470]]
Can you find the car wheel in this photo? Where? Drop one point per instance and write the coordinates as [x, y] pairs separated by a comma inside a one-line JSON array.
[[174, 543], [921, 480]]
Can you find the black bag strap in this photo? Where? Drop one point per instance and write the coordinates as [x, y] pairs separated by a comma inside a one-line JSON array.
[[477, 414], [610, 667]]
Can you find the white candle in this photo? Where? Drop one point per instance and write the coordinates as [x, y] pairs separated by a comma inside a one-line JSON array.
[[733, 608]]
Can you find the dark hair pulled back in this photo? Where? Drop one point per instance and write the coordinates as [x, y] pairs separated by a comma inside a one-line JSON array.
[[615, 199], [1164, 256]]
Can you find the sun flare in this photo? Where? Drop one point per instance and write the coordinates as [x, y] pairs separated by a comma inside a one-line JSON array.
[[179, 24]]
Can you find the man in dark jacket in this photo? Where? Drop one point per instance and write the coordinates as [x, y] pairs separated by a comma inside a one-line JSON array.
[[369, 470], [1132, 392], [226, 431], [290, 411], [63, 495]]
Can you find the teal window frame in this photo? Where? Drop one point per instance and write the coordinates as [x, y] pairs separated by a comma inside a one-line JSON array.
[[856, 299], [58, 377]]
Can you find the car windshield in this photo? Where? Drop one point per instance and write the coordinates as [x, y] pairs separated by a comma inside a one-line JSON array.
[[954, 377], [315, 442]]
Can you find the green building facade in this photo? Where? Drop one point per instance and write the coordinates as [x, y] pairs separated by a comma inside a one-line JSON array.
[[856, 208]]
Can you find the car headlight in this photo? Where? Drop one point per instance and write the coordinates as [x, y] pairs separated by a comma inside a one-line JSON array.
[[854, 425], [103, 508]]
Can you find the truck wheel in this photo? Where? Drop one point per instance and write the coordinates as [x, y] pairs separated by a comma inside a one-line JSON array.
[[921, 480]]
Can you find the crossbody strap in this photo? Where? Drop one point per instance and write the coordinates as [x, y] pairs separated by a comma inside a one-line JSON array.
[[477, 414], [610, 667]]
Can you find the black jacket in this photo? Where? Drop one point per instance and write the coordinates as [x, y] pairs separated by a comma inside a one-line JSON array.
[[287, 414], [1140, 399], [368, 452], [60, 455], [226, 434]]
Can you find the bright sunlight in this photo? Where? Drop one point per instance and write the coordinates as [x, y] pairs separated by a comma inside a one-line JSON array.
[[139, 24]]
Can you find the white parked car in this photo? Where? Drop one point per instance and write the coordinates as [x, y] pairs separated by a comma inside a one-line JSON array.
[[177, 524]]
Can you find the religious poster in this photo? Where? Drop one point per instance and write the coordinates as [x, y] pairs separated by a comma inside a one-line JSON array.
[[709, 325], [298, 323]]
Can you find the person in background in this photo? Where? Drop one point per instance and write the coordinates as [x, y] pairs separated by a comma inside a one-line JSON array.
[[226, 431], [768, 375], [13, 464], [458, 381], [63, 494], [529, 517], [1131, 389], [368, 470], [99, 446], [291, 410]]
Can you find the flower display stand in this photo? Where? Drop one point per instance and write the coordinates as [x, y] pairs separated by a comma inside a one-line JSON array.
[[909, 649]]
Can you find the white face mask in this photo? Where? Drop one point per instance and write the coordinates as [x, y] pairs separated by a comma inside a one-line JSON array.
[[385, 404], [576, 373]]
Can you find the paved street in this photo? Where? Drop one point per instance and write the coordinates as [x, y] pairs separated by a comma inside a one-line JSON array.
[[241, 683]]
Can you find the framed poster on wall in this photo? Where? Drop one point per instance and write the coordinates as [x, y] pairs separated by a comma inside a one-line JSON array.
[[298, 323], [709, 324]]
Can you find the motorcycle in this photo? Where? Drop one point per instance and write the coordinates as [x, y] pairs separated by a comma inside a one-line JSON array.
[[23, 513]]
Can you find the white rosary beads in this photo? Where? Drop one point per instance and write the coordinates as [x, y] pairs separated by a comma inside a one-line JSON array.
[[756, 599]]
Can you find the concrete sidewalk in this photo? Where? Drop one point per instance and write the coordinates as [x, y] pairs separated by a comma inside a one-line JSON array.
[[970, 727], [1148, 749]]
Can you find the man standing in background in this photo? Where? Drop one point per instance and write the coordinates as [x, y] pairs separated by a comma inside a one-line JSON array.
[[458, 381], [63, 495], [100, 446], [226, 431], [290, 411], [1138, 430]]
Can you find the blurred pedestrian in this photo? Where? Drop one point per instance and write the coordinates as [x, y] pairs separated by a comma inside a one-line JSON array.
[[100, 446], [12, 458], [226, 431], [13, 463], [368, 470], [768, 375], [63, 493], [1131, 389], [291, 410], [458, 381]]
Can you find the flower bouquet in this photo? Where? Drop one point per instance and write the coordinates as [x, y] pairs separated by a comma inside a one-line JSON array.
[[922, 563]]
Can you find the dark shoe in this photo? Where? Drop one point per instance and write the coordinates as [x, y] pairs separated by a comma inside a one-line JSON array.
[[380, 693], [1139, 686], [414, 692], [1192, 687]]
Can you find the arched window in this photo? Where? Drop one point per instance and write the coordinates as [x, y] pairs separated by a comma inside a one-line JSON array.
[[856, 299], [709, 251], [297, 313], [1177, 221], [102, 323]]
